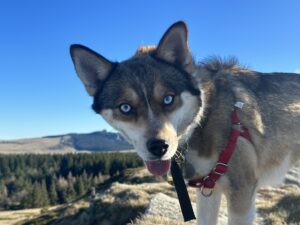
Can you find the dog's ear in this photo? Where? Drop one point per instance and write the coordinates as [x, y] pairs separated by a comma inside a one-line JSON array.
[[173, 47], [91, 67]]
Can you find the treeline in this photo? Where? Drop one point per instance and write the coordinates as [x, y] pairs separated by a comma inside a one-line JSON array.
[[29, 181]]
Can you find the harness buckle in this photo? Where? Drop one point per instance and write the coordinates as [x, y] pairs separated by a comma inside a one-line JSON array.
[[220, 168], [239, 104], [238, 127]]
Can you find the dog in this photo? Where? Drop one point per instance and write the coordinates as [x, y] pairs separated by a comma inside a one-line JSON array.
[[160, 100]]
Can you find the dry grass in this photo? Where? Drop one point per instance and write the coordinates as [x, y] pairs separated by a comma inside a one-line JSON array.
[[127, 199], [280, 206], [34, 146], [47, 216], [125, 203], [13, 217], [130, 200]]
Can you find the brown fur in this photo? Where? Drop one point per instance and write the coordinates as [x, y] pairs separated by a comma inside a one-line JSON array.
[[199, 117], [273, 126]]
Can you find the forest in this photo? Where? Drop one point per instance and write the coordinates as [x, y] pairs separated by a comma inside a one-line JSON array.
[[30, 181]]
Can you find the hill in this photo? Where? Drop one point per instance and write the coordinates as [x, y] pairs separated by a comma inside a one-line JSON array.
[[73, 142], [146, 200]]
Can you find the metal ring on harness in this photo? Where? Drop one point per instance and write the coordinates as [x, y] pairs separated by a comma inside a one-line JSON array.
[[203, 188]]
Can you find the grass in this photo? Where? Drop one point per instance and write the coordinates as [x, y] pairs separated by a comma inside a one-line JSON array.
[[13, 217], [130, 198], [57, 214], [125, 202], [283, 208]]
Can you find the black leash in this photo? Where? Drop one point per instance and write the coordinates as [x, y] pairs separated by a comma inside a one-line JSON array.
[[183, 196]]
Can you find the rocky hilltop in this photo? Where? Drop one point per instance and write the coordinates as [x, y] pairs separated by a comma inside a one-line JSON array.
[[73, 142]]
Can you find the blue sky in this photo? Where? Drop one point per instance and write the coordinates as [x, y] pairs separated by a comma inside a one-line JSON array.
[[39, 91]]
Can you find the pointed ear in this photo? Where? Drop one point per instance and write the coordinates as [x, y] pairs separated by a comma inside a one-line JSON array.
[[173, 46], [91, 67]]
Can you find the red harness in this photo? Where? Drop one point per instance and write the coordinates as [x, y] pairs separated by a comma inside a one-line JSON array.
[[208, 182]]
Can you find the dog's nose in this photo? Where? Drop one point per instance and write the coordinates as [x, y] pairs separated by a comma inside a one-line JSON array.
[[157, 147]]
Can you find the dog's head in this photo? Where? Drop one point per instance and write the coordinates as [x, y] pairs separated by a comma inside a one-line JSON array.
[[151, 98]]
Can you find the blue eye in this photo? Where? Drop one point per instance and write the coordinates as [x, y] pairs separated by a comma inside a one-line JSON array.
[[125, 108], [168, 100]]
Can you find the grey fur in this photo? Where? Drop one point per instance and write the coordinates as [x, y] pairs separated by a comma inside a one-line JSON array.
[[204, 96]]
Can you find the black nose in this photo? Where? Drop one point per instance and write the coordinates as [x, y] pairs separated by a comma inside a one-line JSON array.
[[157, 147]]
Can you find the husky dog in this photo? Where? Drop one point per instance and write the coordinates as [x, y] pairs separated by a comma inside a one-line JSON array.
[[160, 99]]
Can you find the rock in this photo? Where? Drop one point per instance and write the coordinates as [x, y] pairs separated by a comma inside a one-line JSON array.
[[168, 207], [163, 205]]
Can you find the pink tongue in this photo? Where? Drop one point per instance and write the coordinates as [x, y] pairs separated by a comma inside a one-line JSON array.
[[159, 167]]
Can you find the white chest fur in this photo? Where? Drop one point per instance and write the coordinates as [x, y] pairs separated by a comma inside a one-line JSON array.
[[201, 165]]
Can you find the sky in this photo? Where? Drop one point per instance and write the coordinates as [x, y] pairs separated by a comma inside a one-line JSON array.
[[40, 93]]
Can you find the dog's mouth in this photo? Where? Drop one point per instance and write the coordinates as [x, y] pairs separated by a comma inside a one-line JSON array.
[[158, 167]]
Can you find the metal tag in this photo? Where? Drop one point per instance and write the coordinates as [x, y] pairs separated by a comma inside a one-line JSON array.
[[239, 105]]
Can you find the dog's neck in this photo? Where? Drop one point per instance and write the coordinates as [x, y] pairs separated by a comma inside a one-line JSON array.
[[208, 133]]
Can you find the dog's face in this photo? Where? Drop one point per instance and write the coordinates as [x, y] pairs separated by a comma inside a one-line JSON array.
[[151, 98]]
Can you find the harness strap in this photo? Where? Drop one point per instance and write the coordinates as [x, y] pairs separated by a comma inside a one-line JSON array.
[[207, 183]]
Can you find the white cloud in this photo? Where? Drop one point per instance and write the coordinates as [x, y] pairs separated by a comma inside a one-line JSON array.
[[297, 71]]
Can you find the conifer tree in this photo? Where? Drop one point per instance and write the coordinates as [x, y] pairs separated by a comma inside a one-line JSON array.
[[36, 195], [62, 195], [45, 198], [53, 193], [85, 178], [70, 193], [79, 186]]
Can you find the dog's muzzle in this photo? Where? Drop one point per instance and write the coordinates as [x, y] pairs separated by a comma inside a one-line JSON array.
[[157, 147]]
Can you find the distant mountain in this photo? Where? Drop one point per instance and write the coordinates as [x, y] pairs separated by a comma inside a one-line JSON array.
[[96, 141]]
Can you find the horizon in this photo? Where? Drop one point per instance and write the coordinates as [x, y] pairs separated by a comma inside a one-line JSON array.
[[40, 92], [60, 134]]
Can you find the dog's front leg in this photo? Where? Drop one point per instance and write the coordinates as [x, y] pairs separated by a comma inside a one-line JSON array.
[[241, 206], [208, 208]]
